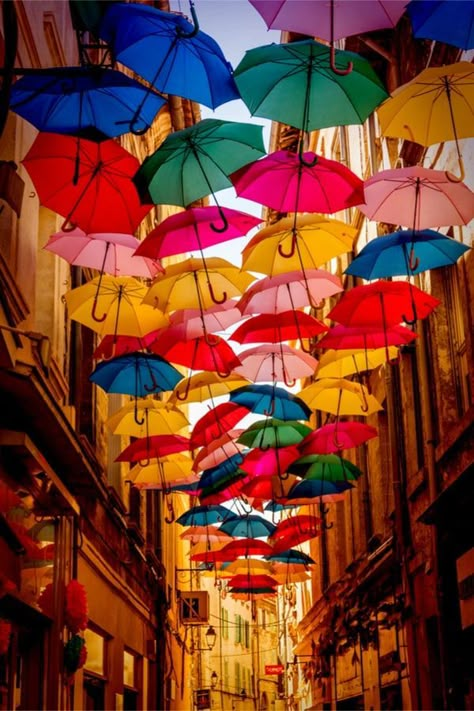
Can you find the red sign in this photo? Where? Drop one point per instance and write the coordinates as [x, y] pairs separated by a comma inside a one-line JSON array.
[[274, 669]]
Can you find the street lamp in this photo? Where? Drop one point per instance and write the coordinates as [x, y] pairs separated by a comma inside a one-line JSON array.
[[211, 637]]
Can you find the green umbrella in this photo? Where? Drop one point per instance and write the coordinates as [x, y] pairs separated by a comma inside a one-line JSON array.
[[274, 433], [294, 83], [326, 467], [196, 161]]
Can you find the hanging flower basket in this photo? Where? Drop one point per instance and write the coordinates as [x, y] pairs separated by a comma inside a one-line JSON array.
[[75, 613], [75, 654]]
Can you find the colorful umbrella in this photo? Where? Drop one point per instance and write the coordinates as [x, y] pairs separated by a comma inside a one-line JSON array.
[[269, 486], [248, 526], [147, 448], [169, 52], [219, 477], [164, 472], [110, 253], [215, 423], [196, 353], [292, 290], [270, 461], [367, 338], [449, 21], [118, 300], [204, 386], [405, 253], [340, 397], [336, 436], [418, 198], [290, 556], [221, 449], [245, 547], [275, 362], [273, 433], [248, 566], [339, 363], [89, 183], [196, 162], [205, 516], [147, 417], [211, 320], [136, 374], [270, 401], [208, 534], [325, 467], [111, 346], [85, 101], [274, 328], [305, 242], [298, 528], [242, 582], [307, 490]]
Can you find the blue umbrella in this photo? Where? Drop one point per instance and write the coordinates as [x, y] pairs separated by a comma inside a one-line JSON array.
[[404, 253], [222, 475], [274, 507], [205, 515], [272, 401], [87, 101], [450, 21], [312, 488], [166, 50], [290, 556], [136, 374], [248, 526]]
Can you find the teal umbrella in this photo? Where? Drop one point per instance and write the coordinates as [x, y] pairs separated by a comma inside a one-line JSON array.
[[325, 467], [293, 83], [196, 162], [274, 433]]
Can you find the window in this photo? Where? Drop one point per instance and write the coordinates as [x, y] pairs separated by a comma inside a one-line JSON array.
[[247, 633], [194, 607], [238, 629], [131, 681], [225, 623], [96, 645], [457, 342], [94, 670], [226, 674]]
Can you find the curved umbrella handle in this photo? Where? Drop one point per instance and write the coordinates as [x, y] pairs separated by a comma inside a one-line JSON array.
[[135, 415], [144, 462], [271, 411], [411, 321], [289, 382], [365, 406], [328, 526], [67, 226], [189, 35], [213, 296], [211, 339], [154, 384], [223, 375], [306, 163], [337, 444], [454, 178], [172, 516], [288, 255], [324, 510], [99, 319], [225, 222], [413, 262], [186, 392], [336, 70]]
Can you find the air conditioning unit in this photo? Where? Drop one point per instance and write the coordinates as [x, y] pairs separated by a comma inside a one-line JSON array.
[[194, 607]]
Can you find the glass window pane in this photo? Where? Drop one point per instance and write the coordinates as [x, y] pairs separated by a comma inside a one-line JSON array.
[[128, 669], [95, 652]]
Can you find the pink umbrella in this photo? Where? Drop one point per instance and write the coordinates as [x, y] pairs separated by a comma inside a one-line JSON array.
[[194, 229], [281, 181], [354, 337], [216, 422], [336, 436], [217, 451], [271, 363], [274, 460], [199, 323], [112, 253], [292, 290], [418, 198], [209, 534]]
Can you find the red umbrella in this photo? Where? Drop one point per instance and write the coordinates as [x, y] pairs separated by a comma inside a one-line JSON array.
[[246, 547], [216, 422], [270, 461], [285, 183], [292, 531], [89, 183], [242, 582], [278, 362], [146, 448], [268, 487], [274, 328], [383, 303], [289, 291], [356, 337], [194, 229], [111, 346], [336, 436], [217, 451]]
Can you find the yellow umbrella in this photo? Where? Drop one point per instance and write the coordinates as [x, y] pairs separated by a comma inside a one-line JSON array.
[[203, 386], [114, 307], [246, 566], [163, 471], [436, 106], [340, 397], [145, 417], [197, 284], [339, 363], [308, 242]]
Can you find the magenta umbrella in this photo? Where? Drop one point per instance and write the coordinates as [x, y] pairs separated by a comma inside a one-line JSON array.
[[194, 229], [336, 436], [272, 363], [199, 323], [112, 253], [285, 292], [285, 183], [418, 198]]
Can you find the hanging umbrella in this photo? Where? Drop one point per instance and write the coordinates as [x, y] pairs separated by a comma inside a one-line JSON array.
[[147, 417], [306, 491], [164, 472], [89, 184], [245, 547], [208, 534], [383, 303], [271, 461], [204, 386], [273, 433], [220, 449], [339, 363], [85, 100], [110, 253], [271, 401], [340, 397], [219, 477], [192, 230], [269, 486], [205, 516], [325, 467], [274, 328], [290, 556], [449, 21], [417, 198], [248, 566], [405, 253], [111, 346], [147, 448], [196, 162], [287, 577], [114, 307], [211, 320], [366, 338], [275, 362], [136, 374], [302, 527], [251, 594], [216, 423], [271, 80], [436, 106], [285, 183], [336, 436], [196, 353], [305, 242], [169, 52], [197, 283], [292, 290], [241, 582], [248, 526]]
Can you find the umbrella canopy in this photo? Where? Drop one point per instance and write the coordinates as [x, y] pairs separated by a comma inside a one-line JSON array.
[[111, 346], [110, 253], [336, 436], [147, 417], [147, 448], [220, 476], [417, 197], [270, 400], [204, 386], [207, 534], [404, 253], [196, 353], [245, 547], [273, 433], [197, 161], [326, 467], [89, 184], [169, 52], [271, 79], [270, 461], [301, 524], [215, 318], [248, 526], [192, 230], [292, 290], [205, 516], [450, 21], [290, 556], [287, 182], [136, 374], [241, 582], [305, 242], [275, 362], [113, 305], [274, 328], [305, 491], [339, 363], [340, 397], [198, 284], [84, 100], [366, 337], [164, 472], [216, 423], [248, 566], [269, 486], [219, 451]]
